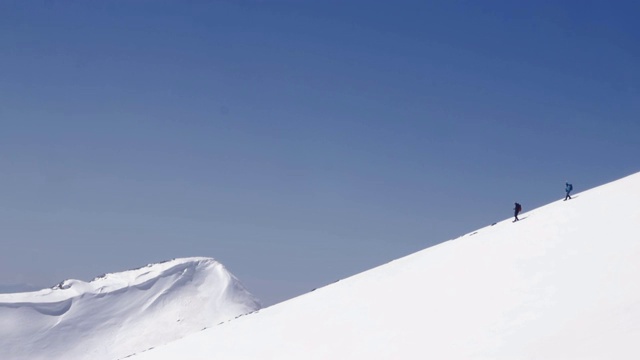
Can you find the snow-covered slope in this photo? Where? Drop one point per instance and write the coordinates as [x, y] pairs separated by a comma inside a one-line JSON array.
[[121, 313], [563, 283]]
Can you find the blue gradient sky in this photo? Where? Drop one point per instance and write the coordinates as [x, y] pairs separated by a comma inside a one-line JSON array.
[[297, 142]]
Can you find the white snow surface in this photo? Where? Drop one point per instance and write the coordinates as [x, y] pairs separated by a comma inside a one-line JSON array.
[[118, 314], [562, 283]]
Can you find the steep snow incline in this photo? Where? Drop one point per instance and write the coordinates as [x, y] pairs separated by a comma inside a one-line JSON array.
[[121, 313], [563, 283]]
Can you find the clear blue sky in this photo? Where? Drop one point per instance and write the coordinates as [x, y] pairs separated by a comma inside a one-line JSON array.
[[297, 142]]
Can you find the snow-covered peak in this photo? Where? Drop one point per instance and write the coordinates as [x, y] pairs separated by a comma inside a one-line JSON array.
[[562, 283], [120, 313]]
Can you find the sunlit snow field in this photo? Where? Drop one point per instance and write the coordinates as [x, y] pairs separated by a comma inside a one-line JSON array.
[[562, 283]]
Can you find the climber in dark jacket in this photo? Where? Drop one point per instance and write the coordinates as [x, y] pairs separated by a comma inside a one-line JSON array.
[[516, 211]]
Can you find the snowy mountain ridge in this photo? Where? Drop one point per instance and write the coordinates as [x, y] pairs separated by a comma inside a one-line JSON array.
[[562, 283], [120, 313]]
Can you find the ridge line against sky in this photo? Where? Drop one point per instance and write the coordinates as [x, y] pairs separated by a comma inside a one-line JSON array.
[[502, 292], [297, 142]]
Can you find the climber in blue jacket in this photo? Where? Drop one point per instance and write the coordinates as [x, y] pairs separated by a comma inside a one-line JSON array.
[[567, 187]]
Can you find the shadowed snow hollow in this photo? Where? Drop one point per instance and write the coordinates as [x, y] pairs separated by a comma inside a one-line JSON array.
[[562, 283], [121, 313]]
